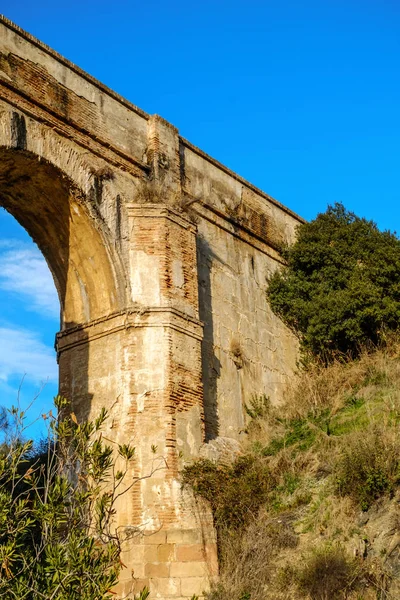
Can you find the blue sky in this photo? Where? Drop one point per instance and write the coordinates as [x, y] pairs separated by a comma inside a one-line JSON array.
[[29, 318], [300, 97]]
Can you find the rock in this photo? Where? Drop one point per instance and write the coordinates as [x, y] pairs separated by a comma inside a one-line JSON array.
[[224, 450]]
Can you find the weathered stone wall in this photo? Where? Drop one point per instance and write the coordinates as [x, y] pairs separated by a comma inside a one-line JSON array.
[[246, 350], [160, 256]]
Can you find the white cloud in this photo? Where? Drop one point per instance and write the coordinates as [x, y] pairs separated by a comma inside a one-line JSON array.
[[23, 354], [24, 271]]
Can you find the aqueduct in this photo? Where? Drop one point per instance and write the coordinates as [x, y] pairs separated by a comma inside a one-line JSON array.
[[160, 256]]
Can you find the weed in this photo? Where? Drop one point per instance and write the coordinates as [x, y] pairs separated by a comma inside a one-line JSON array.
[[152, 192], [258, 407], [247, 557], [353, 403], [368, 466], [291, 483], [376, 376], [327, 573], [298, 433]]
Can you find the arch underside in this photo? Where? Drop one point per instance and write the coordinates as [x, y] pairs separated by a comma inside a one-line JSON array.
[[52, 210]]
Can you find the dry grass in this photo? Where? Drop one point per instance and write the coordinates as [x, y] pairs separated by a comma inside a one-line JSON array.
[[328, 572], [248, 559], [326, 402], [148, 192], [319, 388]]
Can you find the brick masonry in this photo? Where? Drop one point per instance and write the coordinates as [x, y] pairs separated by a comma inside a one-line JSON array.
[[161, 257]]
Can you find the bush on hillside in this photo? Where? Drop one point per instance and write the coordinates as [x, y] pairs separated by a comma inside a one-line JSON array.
[[328, 572], [368, 466], [235, 492], [341, 286]]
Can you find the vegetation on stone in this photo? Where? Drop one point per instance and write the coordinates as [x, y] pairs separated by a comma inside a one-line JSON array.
[[340, 289]]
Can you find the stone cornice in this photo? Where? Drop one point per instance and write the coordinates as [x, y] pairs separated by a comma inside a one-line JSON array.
[[160, 211], [238, 230], [237, 177], [81, 137], [70, 65], [163, 316]]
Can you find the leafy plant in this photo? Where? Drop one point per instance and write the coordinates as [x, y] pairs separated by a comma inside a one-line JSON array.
[[341, 286], [258, 406], [299, 433], [235, 492], [368, 466], [57, 505]]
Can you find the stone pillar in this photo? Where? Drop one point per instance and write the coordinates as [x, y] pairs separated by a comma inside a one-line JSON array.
[[179, 551], [144, 364]]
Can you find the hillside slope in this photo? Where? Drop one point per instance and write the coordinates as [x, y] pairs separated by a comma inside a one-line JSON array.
[[311, 509]]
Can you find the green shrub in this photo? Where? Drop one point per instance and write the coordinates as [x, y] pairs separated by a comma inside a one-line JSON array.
[[298, 433], [327, 573], [341, 287], [368, 466], [235, 492], [57, 506], [258, 407]]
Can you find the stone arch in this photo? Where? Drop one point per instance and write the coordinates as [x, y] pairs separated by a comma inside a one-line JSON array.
[[55, 212]]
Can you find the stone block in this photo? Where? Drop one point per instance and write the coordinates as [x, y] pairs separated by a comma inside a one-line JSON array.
[[155, 537], [194, 585], [190, 552], [134, 553], [137, 569], [166, 552], [212, 559], [167, 587], [188, 569], [151, 553], [156, 570], [184, 536], [137, 585]]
